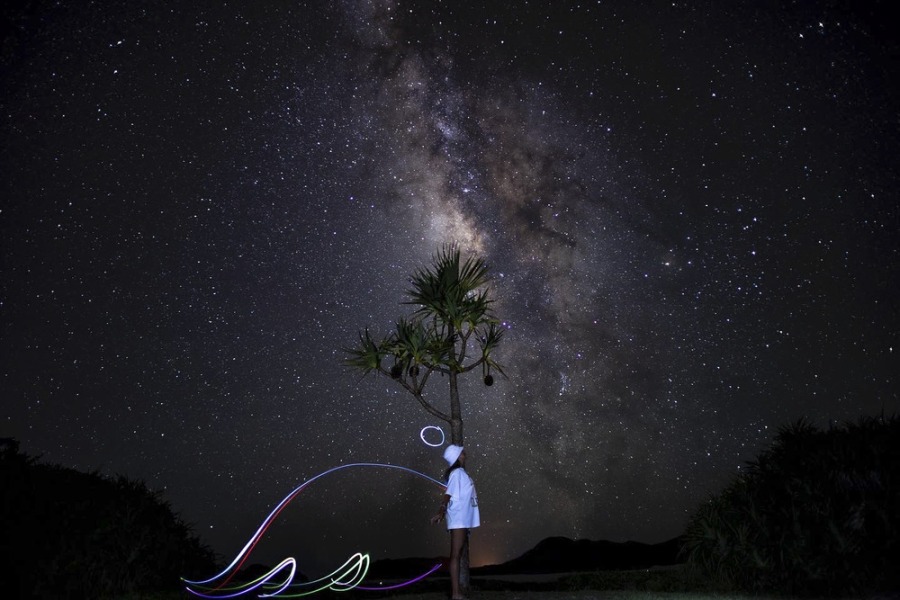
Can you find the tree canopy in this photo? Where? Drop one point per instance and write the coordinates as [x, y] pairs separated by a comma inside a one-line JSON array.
[[451, 331]]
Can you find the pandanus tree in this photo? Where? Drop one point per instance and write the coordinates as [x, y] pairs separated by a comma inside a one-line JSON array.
[[452, 331]]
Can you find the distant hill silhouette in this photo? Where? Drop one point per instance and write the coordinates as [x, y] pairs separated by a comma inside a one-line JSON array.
[[561, 555], [551, 555]]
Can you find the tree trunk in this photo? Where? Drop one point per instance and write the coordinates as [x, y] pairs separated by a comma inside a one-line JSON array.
[[456, 423], [456, 437]]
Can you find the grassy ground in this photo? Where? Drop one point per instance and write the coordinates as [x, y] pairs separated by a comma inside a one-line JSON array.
[[525, 595], [648, 584], [652, 584], [589, 595]]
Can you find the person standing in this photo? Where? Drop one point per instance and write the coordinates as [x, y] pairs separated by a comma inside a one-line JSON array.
[[460, 509]]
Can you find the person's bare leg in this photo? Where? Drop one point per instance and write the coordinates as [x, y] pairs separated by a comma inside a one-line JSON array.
[[457, 539]]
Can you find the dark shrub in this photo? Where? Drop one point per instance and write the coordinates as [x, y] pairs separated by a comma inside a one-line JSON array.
[[817, 513], [68, 534]]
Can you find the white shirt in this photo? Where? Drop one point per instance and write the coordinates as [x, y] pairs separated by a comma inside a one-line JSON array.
[[462, 512]]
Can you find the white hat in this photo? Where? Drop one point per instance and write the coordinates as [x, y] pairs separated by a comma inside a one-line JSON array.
[[451, 453]]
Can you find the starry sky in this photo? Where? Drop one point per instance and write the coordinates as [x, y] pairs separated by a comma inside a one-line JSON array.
[[689, 210]]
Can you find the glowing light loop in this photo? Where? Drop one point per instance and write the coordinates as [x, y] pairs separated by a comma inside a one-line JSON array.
[[346, 577], [427, 443]]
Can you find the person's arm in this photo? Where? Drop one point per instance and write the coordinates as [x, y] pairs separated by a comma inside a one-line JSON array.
[[442, 511]]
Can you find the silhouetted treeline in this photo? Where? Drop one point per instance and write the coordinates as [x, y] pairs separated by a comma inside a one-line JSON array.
[[67, 534], [817, 513]]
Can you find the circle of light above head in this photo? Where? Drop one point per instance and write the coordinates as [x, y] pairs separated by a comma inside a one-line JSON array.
[[427, 443]]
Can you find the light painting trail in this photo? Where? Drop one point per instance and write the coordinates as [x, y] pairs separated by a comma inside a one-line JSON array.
[[427, 443], [346, 577]]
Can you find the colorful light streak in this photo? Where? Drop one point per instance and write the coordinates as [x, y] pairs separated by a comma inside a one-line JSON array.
[[344, 578]]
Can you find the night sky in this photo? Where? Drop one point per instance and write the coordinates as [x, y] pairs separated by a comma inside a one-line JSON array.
[[690, 210]]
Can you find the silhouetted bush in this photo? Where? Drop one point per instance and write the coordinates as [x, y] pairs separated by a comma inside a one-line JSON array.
[[817, 513], [68, 534]]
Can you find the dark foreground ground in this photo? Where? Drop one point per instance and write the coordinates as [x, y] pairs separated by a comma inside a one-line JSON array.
[[586, 595], [542, 595], [671, 583]]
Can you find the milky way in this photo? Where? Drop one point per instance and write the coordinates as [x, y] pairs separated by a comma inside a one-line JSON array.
[[690, 215]]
